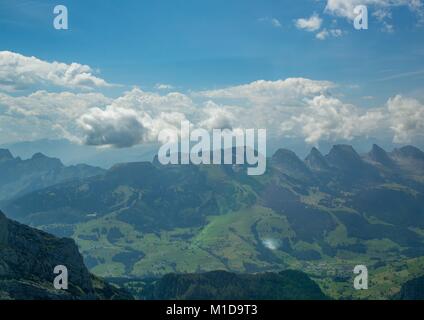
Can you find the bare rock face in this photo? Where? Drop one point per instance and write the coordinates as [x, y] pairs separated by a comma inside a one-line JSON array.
[[28, 258]]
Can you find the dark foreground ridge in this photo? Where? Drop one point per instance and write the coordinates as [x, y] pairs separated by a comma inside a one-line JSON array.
[[28, 258], [222, 285], [412, 290]]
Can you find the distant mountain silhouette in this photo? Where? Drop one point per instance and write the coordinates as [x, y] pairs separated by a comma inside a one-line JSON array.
[[316, 161], [290, 164], [409, 152], [379, 155], [18, 176], [344, 157]]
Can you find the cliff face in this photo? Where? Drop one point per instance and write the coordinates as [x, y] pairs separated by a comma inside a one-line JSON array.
[[28, 258]]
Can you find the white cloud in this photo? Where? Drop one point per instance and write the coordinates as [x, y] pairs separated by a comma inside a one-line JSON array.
[[293, 107], [272, 244], [406, 118], [328, 118], [313, 23], [123, 127], [45, 114], [324, 34], [274, 22], [43, 104], [345, 8], [384, 15], [217, 117], [118, 127], [290, 90], [163, 86], [136, 117], [19, 72], [257, 104]]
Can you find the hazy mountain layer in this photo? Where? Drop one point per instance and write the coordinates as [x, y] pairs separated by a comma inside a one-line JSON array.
[[18, 177]]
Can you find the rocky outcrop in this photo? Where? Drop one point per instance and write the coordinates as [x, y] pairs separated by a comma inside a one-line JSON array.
[[28, 258]]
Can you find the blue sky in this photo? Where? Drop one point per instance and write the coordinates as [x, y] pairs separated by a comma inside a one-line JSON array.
[[199, 45], [203, 44]]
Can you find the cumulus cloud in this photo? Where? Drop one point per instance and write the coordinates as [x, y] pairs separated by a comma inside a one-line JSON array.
[[217, 117], [117, 127], [328, 118], [313, 23], [45, 114], [406, 119], [136, 117], [155, 103], [324, 34], [18, 72]]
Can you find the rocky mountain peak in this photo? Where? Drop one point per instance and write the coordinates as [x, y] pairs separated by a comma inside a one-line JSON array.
[[315, 160], [28, 258], [343, 156], [378, 154]]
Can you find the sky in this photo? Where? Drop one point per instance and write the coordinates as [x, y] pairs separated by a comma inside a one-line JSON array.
[[123, 71]]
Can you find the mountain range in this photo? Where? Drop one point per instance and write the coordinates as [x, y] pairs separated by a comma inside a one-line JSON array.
[[23, 176], [322, 215], [72, 153]]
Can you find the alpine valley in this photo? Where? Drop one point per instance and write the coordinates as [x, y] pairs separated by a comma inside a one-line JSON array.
[[323, 215]]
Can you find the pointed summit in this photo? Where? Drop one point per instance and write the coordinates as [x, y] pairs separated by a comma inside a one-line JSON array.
[[344, 156], [287, 158], [290, 164], [316, 161], [379, 155], [5, 155], [39, 155]]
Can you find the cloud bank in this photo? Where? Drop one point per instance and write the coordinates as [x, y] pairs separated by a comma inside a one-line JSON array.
[[18, 72], [298, 108]]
